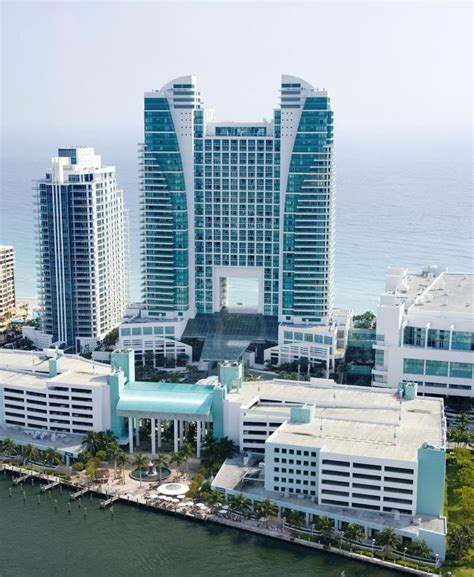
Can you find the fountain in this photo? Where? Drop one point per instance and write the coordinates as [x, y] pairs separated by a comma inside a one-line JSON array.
[[150, 473]]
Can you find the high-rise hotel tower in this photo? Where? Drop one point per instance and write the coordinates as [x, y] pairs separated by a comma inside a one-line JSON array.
[[224, 200], [82, 249]]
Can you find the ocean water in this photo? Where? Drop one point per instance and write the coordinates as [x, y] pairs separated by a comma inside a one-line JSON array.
[[398, 204]]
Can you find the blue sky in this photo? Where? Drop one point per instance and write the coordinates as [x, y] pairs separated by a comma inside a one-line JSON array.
[[76, 72]]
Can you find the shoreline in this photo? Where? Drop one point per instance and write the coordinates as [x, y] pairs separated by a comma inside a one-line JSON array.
[[218, 520]]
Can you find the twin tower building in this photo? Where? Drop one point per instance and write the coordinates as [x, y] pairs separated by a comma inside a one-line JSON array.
[[219, 201]]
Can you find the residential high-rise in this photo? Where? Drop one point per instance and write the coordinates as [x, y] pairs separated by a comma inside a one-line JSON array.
[[83, 276], [225, 200], [7, 281]]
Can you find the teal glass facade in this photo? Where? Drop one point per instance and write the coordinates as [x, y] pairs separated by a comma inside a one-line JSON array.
[[308, 243], [212, 201], [165, 248]]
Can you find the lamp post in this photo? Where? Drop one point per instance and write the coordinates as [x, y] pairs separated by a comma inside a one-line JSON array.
[[373, 543], [404, 553]]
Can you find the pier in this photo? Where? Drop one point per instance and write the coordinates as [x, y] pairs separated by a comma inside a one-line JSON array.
[[79, 493], [106, 502], [51, 485], [18, 480]]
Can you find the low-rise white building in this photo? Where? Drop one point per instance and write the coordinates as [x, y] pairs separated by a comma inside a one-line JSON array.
[[151, 336], [323, 343], [425, 332], [50, 400], [357, 455]]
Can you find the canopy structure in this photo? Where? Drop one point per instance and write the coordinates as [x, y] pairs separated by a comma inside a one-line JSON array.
[[166, 401]]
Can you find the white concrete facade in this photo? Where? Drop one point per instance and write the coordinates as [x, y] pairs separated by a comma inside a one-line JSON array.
[[425, 332], [7, 281], [56, 395], [82, 249]]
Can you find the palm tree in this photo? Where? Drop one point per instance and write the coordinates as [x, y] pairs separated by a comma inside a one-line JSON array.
[[240, 504], [186, 452], [354, 532], [267, 508], [177, 459], [326, 528], [121, 460], [420, 549], [9, 447], [92, 442], [160, 461], [140, 462], [388, 539], [295, 518], [113, 453], [215, 498], [29, 453], [52, 457]]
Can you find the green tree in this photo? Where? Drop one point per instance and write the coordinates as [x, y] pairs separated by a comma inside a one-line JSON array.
[[326, 527], [215, 498], [267, 508], [466, 497], [295, 518], [101, 455], [240, 504], [52, 457], [177, 459], [9, 447], [186, 452], [161, 461], [366, 320], [29, 453], [122, 460], [388, 539], [78, 466], [91, 442], [420, 549], [354, 532], [460, 542], [140, 463], [111, 338]]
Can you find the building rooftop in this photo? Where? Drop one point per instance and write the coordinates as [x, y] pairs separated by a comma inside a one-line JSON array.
[[452, 292], [431, 290], [38, 362], [351, 420]]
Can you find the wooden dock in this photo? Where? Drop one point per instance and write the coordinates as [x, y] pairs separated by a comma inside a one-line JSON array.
[[106, 502], [18, 480], [78, 494], [49, 486]]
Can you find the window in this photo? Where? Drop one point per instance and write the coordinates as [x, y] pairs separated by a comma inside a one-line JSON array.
[[439, 368], [413, 366], [338, 463], [462, 341], [399, 470], [367, 466], [414, 336], [397, 480], [461, 370]]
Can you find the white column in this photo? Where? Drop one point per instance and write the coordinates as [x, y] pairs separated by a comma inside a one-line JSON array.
[[175, 435], [137, 432], [198, 439], [130, 435], [158, 426], [153, 436]]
